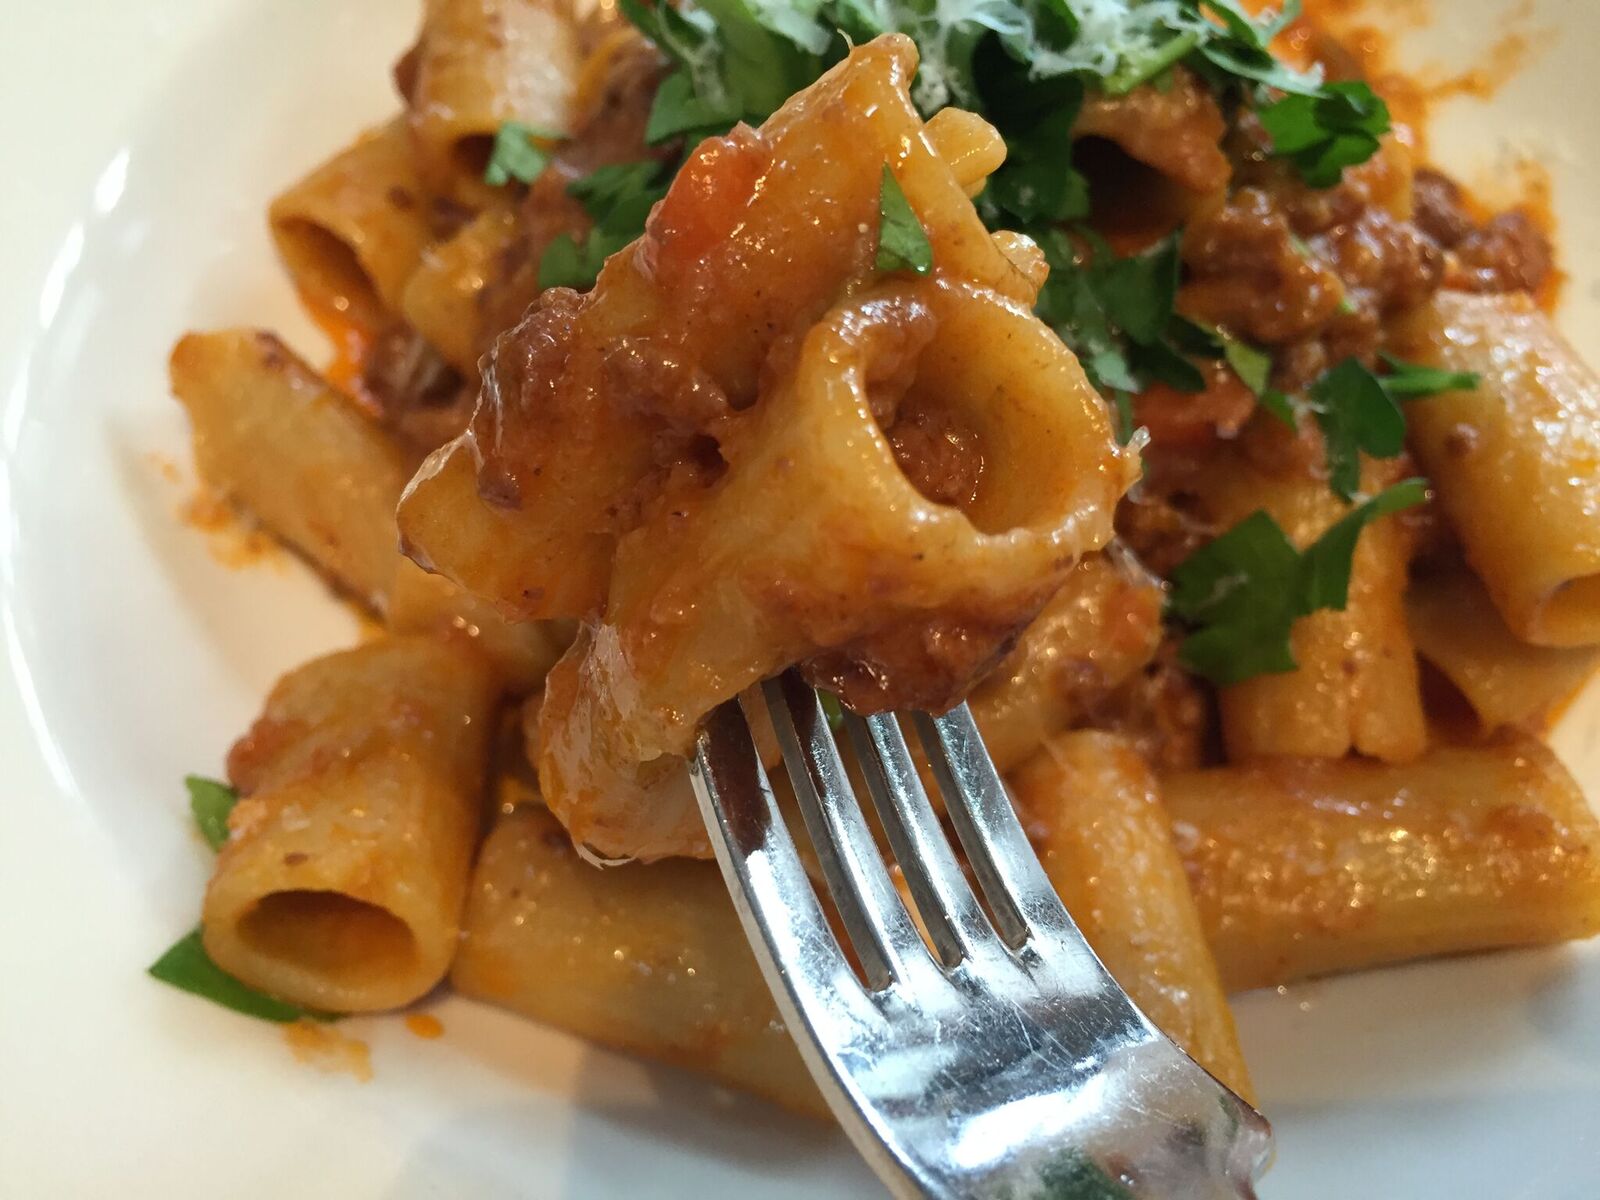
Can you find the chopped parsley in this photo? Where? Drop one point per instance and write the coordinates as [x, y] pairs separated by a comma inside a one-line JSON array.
[[516, 156], [1117, 313], [1357, 414], [1322, 134], [186, 965], [619, 198], [902, 242], [1253, 366], [210, 802], [1241, 593], [831, 708], [1406, 381]]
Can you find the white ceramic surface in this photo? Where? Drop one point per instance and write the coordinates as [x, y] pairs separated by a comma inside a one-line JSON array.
[[141, 144]]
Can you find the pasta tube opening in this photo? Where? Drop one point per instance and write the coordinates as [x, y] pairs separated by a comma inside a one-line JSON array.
[[327, 271], [338, 936]]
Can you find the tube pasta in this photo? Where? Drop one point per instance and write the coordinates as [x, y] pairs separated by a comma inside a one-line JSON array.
[[1305, 867], [352, 232], [1356, 687], [559, 436], [510, 514], [274, 438], [1515, 458], [1090, 804], [1176, 129], [522, 651], [341, 884], [622, 706], [1505, 680], [479, 64], [441, 299], [1096, 632], [645, 959]]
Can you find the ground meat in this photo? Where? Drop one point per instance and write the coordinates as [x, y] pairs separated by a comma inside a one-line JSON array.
[[1316, 273], [1440, 208], [1250, 273], [420, 396], [1165, 712], [939, 454], [1161, 525], [929, 664], [1509, 254]]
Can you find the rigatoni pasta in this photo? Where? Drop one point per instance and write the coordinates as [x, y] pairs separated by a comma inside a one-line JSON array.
[[1305, 867], [924, 541], [1515, 458], [301, 458], [1355, 686], [522, 652], [648, 959], [352, 232], [340, 887], [1090, 803], [1504, 680], [478, 65], [441, 298]]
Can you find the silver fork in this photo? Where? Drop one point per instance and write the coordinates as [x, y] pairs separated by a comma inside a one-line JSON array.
[[1005, 1063]]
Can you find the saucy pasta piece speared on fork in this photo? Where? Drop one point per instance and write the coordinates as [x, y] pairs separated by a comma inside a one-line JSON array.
[[752, 445]]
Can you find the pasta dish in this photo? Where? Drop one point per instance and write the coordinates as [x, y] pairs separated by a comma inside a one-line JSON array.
[[1122, 369]]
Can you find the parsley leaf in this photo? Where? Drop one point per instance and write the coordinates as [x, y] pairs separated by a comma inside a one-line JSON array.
[[831, 708], [1323, 134], [619, 197], [1242, 592], [188, 967], [678, 112], [515, 156], [1036, 182], [902, 242], [1138, 291], [1074, 1176], [1241, 49], [1116, 314], [1356, 414], [1408, 380], [1253, 366], [210, 802]]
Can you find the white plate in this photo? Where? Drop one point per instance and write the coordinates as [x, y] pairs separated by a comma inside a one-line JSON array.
[[142, 142]]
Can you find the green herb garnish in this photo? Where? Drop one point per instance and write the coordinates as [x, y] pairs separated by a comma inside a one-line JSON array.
[[187, 966], [902, 241], [1356, 414], [1242, 593], [619, 198], [210, 801], [515, 156], [1117, 313], [1406, 380], [678, 112], [831, 708], [1325, 133]]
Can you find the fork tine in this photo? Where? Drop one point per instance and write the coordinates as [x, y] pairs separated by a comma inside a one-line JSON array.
[[882, 932], [1020, 895], [955, 920], [771, 890]]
